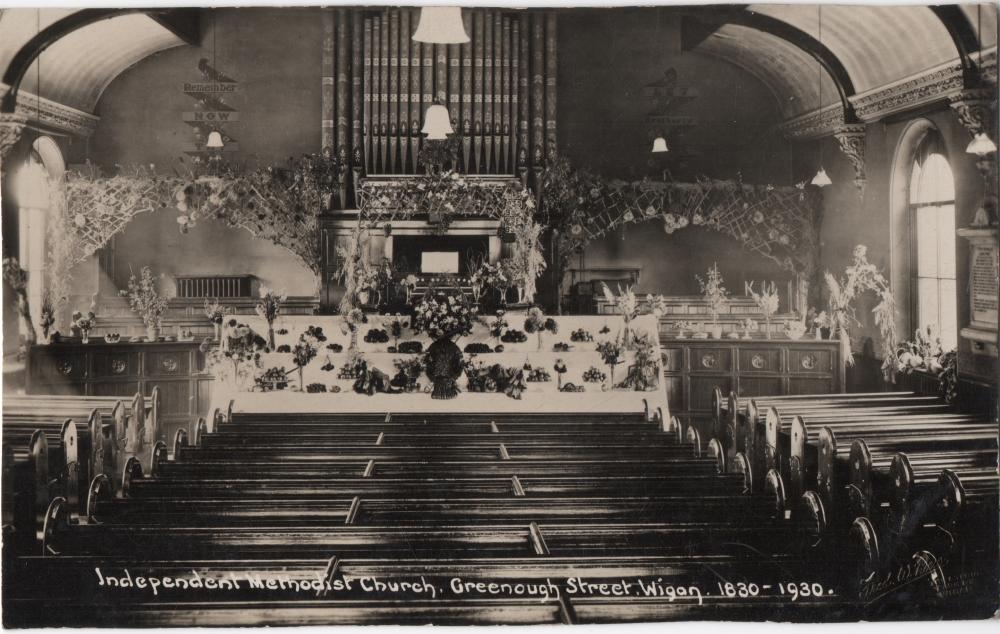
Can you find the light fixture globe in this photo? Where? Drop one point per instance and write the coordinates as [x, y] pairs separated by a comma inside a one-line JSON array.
[[214, 140], [441, 25], [981, 145], [437, 123], [821, 179], [659, 145]]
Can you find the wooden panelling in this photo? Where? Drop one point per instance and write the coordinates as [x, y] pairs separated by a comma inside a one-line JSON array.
[[692, 368], [122, 369]]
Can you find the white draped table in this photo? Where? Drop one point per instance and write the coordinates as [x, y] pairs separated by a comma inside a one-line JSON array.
[[538, 397]]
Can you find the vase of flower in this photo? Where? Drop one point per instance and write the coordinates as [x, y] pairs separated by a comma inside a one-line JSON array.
[[218, 331], [716, 330], [84, 336], [152, 332]]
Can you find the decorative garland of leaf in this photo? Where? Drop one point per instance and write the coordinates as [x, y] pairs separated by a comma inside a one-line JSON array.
[[278, 204], [777, 223]]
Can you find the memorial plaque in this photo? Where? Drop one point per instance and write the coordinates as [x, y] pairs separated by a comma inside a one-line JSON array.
[[983, 289]]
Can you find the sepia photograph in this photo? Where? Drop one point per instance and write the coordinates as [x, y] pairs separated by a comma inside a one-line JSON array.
[[499, 314]]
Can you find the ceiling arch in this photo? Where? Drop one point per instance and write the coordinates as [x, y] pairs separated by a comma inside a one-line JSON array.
[[792, 75], [76, 69], [869, 40]]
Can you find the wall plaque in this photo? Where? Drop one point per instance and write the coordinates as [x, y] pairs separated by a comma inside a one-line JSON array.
[[984, 288]]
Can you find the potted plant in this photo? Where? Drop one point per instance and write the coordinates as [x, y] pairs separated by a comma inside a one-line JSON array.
[[146, 301], [268, 307], [536, 322], [612, 353], [767, 302], [48, 318], [716, 297], [216, 314]]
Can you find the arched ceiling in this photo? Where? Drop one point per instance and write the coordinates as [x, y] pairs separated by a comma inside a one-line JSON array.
[[876, 44], [76, 69], [791, 74]]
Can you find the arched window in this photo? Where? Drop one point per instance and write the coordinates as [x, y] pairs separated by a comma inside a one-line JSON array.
[[932, 240]]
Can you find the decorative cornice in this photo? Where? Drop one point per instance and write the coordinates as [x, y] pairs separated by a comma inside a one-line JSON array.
[[56, 116], [975, 109], [927, 87]]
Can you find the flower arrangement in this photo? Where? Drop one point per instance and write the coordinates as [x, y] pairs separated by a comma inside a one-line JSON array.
[[408, 371], [84, 323], [396, 324], [529, 260], [643, 374], [859, 277], [145, 300], [354, 367], [794, 329], [561, 369], [410, 285], [267, 308], [498, 325], [216, 312], [47, 318], [489, 276], [580, 335], [682, 326], [352, 321], [767, 302], [748, 325], [236, 361], [612, 353], [444, 316], [594, 375], [657, 305], [537, 323], [628, 307], [716, 296]]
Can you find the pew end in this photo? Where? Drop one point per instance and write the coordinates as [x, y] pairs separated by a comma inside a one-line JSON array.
[[901, 476], [70, 466], [716, 412], [741, 465], [157, 456], [859, 489], [827, 455], [811, 516], [101, 490], [180, 441], [229, 410], [774, 490], [864, 547], [692, 436], [131, 472], [56, 522], [200, 429], [716, 452]]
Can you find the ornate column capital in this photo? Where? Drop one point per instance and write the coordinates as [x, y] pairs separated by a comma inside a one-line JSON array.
[[11, 127], [976, 109], [851, 138]]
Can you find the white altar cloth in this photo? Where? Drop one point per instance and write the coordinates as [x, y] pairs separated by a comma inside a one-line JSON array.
[[537, 397]]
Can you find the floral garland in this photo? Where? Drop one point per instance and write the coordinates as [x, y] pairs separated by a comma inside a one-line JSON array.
[[276, 203], [777, 223], [444, 316]]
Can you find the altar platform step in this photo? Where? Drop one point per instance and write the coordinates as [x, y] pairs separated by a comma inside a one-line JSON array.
[[492, 451], [242, 418], [410, 437]]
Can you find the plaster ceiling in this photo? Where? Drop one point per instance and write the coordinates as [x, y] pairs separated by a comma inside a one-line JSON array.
[[75, 70]]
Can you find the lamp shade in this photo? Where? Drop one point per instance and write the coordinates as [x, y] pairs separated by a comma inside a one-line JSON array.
[[981, 144], [437, 123], [659, 145], [214, 140], [821, 179], [441, 25]]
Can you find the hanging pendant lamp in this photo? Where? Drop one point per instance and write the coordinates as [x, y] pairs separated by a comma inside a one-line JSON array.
[[437, 123], [981, 145], [441, 25], [820, 179], [659, 145], [214, 140]]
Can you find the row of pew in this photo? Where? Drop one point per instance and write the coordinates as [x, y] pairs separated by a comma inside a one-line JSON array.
[[54, 446], [896, 479], [463, 519]]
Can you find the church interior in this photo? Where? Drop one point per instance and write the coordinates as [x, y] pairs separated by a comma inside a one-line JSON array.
[[467, 315]]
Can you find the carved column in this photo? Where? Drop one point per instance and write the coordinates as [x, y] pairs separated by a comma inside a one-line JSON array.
[[327, 95], [976, 110], [851, 138]]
